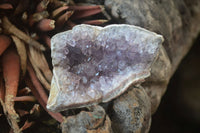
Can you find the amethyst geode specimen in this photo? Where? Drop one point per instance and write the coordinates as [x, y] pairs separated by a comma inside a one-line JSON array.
[[94, 64]]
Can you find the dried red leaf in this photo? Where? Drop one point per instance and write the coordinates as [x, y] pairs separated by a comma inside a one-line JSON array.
[[26, 125], [36, 17], [88, 7], [95, 22], [85, 13], [11, 72], [63, 18], [2, 89], [22, 112], [6, 6], [47, 40], [46, 25], [5, 41], [39, 93], [70, 24], [24, 99]]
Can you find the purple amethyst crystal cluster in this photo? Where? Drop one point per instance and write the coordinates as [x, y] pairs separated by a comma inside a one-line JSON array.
[[96, 64]]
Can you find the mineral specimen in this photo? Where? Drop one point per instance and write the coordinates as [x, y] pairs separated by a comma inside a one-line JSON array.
[[96, 64]]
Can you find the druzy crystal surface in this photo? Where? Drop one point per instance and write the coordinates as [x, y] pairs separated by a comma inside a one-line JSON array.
[[94, 64]]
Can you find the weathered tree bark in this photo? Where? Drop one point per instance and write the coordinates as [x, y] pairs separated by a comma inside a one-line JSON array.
[[178, 21]]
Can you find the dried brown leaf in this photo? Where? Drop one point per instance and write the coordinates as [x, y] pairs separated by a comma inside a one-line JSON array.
[[35, 110], [58, 3], [39, 74], [39, 60], [36, 17], [57, 11], [63, 18], [21, 49], [10, 28]]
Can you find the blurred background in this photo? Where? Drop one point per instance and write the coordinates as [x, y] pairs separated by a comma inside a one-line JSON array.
[[179, 111]]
